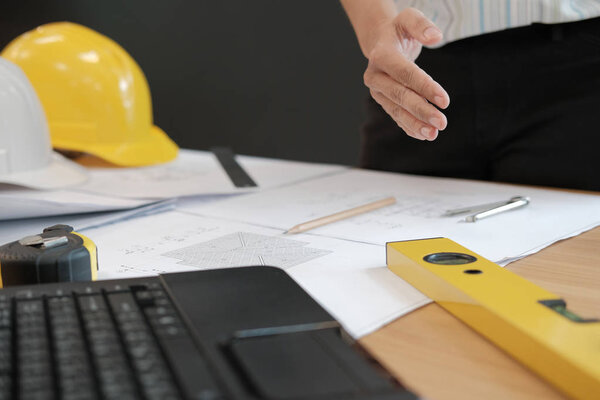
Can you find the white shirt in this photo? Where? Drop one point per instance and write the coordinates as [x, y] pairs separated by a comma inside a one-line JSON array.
[[459, 19]]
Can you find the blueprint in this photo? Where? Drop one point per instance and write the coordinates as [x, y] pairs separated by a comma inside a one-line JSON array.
[[19, 203], [421, 202], [244, 248], [195, 173]]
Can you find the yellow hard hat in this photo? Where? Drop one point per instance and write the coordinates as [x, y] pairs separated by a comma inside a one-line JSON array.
[[95, 96]]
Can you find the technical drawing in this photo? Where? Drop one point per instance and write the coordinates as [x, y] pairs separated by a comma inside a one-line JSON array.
[[243, 248]]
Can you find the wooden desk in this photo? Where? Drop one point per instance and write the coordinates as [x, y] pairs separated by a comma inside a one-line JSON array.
[[437, 357]]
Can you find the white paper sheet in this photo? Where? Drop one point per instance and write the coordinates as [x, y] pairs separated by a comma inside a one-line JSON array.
[[551, 216], [16, 229], [198, 173], [348, 279], [26, 203]]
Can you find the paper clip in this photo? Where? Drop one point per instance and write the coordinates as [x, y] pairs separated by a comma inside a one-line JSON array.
[[487, 210]]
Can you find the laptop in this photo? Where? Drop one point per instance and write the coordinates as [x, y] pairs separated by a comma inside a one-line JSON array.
[[237, 333]]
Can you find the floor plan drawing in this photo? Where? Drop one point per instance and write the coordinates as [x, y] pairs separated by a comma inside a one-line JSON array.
[[243, 248]]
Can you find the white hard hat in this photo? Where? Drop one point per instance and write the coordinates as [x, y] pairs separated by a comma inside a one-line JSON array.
[[26, 156]]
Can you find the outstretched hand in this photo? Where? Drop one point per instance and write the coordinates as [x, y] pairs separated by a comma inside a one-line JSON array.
[[404, 90]]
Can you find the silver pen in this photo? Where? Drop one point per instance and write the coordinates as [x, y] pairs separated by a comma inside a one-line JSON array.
[[488, 210]]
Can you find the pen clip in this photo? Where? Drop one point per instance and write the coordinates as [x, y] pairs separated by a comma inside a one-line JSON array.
[[486, 210], [514, 203]]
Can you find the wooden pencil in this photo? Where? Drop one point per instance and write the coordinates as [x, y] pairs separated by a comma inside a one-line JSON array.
[[315, 223]]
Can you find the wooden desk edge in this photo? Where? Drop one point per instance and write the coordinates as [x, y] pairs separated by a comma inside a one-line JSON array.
[[439, 358]]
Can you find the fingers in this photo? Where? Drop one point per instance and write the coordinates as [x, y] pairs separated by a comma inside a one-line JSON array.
[[404, 90], [411, 22], [407, 99], [406, 72], [405, 120]]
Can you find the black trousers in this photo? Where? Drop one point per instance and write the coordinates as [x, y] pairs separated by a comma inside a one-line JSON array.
[[525, 108]]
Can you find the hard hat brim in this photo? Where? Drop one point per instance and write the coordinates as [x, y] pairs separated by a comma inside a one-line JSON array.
[[157, 148], [58, 174]]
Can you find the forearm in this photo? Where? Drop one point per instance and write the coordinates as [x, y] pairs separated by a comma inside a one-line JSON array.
[[366, 16]]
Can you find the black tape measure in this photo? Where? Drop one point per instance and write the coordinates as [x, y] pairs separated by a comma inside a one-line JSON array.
[[56, 255]]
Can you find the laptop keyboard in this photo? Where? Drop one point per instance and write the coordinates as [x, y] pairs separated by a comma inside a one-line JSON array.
[[126, 339], [93, 344]]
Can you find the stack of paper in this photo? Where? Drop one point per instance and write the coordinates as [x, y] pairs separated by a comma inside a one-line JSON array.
[[27, 203], [193, 173], [198, 173], [16, 229]]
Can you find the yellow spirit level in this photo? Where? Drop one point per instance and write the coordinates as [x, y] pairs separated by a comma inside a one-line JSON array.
[[56, 255], [530, 323]]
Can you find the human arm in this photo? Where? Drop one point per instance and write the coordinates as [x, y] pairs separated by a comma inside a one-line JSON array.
[[392, 41]]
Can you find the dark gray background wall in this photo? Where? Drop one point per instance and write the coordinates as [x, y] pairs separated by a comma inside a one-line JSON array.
[[273, 78]]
